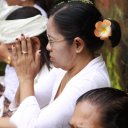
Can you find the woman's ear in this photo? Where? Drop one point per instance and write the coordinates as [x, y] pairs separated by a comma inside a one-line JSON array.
[[36, 43], [79, 44]]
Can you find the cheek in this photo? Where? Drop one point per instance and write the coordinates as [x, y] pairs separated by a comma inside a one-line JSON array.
[[61, 58], [65, 54]]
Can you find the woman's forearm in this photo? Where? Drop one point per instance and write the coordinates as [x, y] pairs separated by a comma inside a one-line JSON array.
[[26, 89], [5, 123]]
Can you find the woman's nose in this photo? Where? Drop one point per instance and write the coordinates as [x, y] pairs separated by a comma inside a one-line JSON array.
[[48, 47]]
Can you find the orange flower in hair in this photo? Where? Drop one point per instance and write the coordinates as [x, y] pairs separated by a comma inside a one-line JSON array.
[[103, 29]]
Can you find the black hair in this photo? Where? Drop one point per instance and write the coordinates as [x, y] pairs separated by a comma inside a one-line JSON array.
[[27, 12], [78, 19], [45, 4], [23, 12], [116, 33], [112, 104]]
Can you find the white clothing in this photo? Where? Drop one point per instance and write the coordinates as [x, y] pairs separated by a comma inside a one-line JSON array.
[[32, 26], [2, 98], [5, 10], [43, 12], [40, 88], [3, 4], [11, 83], [59, 110], [2, 80]]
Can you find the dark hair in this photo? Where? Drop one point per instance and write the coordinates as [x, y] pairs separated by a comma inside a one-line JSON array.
[[23, 12], [112, 103], [45, 4], [27, 12], [78, 19]]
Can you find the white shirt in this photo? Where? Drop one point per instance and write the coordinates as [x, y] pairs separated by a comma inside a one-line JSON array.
[[59, 111], [11, 83]]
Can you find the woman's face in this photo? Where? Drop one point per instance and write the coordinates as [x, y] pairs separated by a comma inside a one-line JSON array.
[[85, 115], [62, 55]]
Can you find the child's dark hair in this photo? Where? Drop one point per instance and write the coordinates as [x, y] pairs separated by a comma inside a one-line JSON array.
[[78, 19], [112, 105], [27, 12]]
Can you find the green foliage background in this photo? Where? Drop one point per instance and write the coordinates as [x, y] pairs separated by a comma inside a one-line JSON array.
[[117, 58], [2, 68]]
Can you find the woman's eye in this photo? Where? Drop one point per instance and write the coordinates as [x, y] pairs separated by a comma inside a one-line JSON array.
[[51, 42]]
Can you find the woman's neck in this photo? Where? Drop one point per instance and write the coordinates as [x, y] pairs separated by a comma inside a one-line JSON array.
[[81, 61]]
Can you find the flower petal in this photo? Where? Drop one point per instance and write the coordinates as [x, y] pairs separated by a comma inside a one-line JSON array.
[[97, 34], [98, 24], [103, 29], [107, 22]]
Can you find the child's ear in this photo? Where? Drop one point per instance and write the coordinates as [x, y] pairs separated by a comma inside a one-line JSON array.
[[36, 43]]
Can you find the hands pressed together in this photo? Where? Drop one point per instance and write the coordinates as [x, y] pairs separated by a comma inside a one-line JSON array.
[[25, 61]]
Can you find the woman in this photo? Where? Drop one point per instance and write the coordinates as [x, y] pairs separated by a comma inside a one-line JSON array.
[[40, 41], [73, 48], [101, 108]]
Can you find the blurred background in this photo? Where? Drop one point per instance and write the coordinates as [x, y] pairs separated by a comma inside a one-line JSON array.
[[117, 58]]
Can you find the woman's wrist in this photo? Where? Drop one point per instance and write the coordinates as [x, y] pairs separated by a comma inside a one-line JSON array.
[[26, 89], [26, 79]]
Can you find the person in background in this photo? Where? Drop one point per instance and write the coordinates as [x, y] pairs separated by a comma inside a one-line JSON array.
[[8, 27], [101, 108], [76, 32], [5, 10], [42, 5]]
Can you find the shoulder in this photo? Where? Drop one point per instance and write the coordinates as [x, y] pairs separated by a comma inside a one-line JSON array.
[[95, 70], [94, 75]]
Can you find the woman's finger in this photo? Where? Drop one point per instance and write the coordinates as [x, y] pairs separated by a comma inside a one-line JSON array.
[[18, 47], [24, 45], [29, 45]]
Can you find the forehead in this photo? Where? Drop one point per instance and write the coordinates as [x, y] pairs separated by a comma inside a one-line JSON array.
[[52, 29], [86, 115]]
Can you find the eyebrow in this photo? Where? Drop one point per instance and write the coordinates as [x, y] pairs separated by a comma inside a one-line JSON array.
[[49, 36]]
